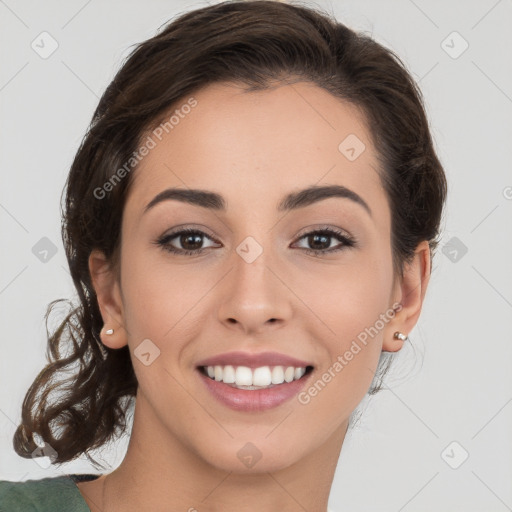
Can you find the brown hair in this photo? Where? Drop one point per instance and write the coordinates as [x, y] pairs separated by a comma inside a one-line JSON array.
[[251, 43]]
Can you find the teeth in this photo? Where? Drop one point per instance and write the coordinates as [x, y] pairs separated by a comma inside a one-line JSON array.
[[299, 372], [243, 376], [261, 377], [228, 375], [277, 375]]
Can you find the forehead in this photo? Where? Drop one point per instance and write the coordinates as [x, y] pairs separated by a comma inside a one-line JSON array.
[[265, 143]]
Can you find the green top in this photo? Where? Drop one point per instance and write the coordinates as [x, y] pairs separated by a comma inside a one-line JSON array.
[[57, 494]]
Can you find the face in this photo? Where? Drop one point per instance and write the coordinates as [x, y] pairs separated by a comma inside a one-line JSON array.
[[305, 278]]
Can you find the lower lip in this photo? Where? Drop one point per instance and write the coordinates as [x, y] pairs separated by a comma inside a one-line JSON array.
[[256, 399]]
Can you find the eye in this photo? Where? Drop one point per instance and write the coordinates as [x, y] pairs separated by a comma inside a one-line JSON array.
[[189, 239], [321, 241]]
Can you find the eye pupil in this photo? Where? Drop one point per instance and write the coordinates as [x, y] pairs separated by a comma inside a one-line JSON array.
[[313, 239], [195, 245]]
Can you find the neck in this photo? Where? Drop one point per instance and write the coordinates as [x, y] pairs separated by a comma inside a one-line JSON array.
[[160, 473]]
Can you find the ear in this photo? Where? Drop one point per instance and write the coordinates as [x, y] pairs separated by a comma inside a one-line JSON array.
[[108, 293], [409, 292]]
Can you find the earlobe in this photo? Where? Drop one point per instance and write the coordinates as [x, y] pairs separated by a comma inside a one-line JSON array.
[[411, 293], [106, 286]]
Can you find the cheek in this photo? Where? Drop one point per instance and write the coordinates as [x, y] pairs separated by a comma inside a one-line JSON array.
[[351, 296], [158, 305], [156, 294], [354, 304], [164, 303], [355, 315]]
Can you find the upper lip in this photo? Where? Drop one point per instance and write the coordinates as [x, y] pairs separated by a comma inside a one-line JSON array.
[[253, 360]]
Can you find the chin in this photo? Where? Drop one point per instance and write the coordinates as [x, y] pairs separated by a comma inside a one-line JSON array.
[[253, 454]]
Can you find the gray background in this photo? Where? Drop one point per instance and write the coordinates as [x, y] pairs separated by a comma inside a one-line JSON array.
[[396, 458]]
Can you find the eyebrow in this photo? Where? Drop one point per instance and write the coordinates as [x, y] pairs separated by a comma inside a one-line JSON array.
[[292, 201]]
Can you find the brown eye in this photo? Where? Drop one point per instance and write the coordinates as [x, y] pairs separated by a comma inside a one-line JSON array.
[[185, 241], [319, 242], [190, 241]]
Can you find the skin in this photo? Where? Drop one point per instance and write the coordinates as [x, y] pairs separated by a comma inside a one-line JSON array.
[[253, 148]]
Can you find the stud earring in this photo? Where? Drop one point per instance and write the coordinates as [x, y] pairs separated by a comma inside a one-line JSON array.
[[109, 331], [399, 336]]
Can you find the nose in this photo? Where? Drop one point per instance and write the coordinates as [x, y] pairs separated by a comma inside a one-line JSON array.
[[254, 296]]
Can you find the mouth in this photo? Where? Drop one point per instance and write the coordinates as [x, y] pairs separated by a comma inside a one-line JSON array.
[[257, 389]]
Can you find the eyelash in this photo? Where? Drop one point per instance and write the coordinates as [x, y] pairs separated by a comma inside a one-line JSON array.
[[347, 242]]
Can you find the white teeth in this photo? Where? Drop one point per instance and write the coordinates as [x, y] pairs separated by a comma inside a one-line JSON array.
[[299, 372], [261, 377], [243, 376], [277, 375], [289, 373], [228, 374]]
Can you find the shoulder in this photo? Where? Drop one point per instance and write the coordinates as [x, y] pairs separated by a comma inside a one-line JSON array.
[[43, 495]]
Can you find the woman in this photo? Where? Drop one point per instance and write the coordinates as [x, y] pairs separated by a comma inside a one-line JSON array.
[[249, 224]]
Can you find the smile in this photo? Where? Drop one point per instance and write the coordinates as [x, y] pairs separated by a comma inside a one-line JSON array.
[[263, 377], [257, 389]]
